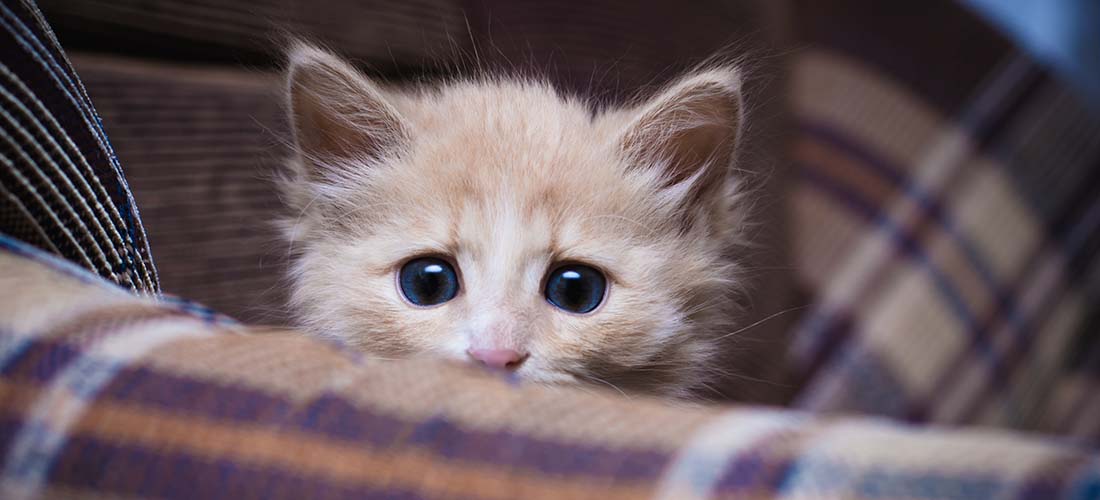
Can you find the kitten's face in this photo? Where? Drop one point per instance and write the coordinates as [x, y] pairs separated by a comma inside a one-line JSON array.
[[588, 249]]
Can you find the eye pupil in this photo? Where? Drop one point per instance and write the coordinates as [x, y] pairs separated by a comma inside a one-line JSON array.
[[575, 288], [428, 281]]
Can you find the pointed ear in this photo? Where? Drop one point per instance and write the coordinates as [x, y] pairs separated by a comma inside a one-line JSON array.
[[337, 112], [690, 129]]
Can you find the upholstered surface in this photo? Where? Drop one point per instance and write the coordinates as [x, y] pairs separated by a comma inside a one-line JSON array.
[[103, 394], [202, 147], [61, 186]]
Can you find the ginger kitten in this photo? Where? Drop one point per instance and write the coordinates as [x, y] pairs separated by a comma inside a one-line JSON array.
[[499, 222]]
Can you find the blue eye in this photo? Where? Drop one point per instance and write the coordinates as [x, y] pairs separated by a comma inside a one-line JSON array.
[[575, 288], [428, 281]]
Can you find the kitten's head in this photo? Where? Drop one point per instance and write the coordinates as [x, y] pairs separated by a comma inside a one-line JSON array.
[[499, 222]]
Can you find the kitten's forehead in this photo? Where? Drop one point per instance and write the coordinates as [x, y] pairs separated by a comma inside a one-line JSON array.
[[512, 151], [507, 127], [494, 106]]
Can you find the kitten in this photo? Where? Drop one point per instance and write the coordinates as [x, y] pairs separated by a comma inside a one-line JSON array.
[[499, 222]]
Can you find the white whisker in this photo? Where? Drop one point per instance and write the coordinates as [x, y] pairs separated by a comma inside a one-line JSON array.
[[765, 319]]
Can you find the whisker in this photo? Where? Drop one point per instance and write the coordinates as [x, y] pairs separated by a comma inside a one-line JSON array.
[[613, 386], [765, 319], [602, 381]]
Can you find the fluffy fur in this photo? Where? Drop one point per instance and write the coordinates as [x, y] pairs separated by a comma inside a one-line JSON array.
[[505, 178]]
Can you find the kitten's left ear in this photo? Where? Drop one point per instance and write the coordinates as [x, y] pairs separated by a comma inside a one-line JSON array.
[[690, 130]]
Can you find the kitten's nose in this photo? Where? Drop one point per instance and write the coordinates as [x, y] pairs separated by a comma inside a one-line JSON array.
[[498, 358]]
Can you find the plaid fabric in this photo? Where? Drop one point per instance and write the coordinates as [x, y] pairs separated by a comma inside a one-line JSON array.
[[106, 395], [61, 186], [948, 227]]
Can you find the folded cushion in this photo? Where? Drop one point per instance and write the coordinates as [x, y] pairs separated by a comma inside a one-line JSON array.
[[103, 394]]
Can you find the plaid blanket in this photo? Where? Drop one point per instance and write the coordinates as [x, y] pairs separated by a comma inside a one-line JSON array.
[[106, 395]]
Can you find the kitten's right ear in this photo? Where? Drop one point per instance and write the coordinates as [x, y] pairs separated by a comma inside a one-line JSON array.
[[337, 112], [690, 129]]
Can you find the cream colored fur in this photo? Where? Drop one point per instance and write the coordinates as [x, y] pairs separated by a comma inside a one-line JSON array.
[[506, 177]]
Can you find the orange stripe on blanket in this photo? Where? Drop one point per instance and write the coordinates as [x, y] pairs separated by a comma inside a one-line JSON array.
[[406, 467], [819, 155]]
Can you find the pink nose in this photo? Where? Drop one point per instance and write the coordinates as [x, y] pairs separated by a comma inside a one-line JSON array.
[[498, 358]]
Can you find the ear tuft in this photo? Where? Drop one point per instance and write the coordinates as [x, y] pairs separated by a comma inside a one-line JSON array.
[[337, 112]]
